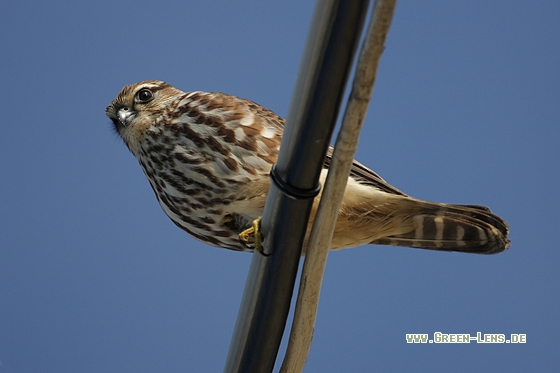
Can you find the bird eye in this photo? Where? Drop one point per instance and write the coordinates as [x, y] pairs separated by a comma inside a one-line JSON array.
[[144, 95]]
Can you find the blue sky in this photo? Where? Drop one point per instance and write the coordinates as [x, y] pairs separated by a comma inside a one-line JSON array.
[[94, 277]]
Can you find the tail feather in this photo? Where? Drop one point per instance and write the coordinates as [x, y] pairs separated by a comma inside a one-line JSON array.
[[462, 228]]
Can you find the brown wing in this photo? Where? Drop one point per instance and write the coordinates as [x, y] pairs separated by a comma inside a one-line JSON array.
[[358, 171], [365, 175]]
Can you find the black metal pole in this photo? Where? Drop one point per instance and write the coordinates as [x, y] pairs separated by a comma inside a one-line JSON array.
[[331, 44]]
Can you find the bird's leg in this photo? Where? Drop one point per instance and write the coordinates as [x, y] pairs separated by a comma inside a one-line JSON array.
[[255, 230], [226, 220]]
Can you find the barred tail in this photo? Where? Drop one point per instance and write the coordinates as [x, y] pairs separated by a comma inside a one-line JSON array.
[[462, 228]]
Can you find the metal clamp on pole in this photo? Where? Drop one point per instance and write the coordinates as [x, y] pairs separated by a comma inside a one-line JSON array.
[[290, 191]]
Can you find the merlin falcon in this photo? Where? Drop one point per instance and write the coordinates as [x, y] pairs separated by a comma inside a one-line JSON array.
[[208, 157]]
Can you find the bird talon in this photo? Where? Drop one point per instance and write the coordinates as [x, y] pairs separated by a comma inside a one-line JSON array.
[[254, 231]]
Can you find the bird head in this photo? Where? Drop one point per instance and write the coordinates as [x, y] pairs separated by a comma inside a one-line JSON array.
[[137, 107]]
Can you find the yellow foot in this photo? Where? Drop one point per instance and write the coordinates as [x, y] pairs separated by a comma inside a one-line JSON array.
[[255, 231]]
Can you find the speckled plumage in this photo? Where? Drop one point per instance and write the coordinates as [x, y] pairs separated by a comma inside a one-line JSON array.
[[208, 156]]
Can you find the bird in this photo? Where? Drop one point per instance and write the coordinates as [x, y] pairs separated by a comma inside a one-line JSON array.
[[208, 158]]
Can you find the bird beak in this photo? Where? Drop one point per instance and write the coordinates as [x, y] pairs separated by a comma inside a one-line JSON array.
[[125, 115]]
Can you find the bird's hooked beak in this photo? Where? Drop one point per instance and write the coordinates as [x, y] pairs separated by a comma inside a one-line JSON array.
[[125, 115]]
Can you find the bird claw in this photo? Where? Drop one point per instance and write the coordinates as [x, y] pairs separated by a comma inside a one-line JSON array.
[[254, 231]]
